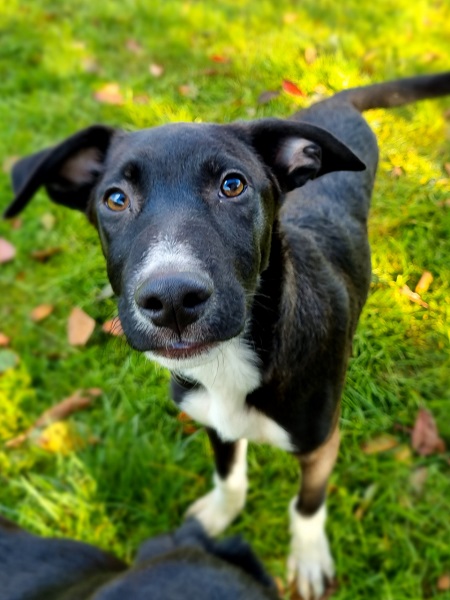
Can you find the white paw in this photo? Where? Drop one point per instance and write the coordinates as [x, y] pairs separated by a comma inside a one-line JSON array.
[[310, 563]]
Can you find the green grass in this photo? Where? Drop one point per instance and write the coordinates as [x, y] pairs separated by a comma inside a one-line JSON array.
[[144, 471]]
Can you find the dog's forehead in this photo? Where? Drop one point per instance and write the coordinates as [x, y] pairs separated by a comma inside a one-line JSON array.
[[175, 141]]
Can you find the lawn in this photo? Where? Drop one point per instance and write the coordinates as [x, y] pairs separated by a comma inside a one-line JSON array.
[[129, 468]]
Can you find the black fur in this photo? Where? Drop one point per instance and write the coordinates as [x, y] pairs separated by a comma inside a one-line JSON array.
[[185, 564]]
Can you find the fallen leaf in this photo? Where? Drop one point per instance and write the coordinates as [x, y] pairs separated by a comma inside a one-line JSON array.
[[80, 327], [267, 96], [89, 64], [424, 282], [402, 454], [133, 46], [418, 478], [16, 223], [44, 255], [380, 443], [413, 296], [7, 251], [109, 94], [425, 436], [190, 91], [41, 312], [4, 340], [79, 400], [60, 438], [218, 58], [447, 168], [189, 429], [8, 360], [183, 417], [48, 221], [310, 55], [443, 583], [321, 89], [291, 88], [141, 99], [113, 326], [396, 172], [156, 70], [8, 163], [444, 203]]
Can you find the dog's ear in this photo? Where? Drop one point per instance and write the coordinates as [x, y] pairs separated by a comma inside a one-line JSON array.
[[297, 152], [68, 171]]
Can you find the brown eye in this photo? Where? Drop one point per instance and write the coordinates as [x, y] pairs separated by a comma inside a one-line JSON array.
[[117, 201], [232, 186]]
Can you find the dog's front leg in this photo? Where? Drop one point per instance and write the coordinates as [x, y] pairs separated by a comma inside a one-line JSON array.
[[217, 509], [310, 562]]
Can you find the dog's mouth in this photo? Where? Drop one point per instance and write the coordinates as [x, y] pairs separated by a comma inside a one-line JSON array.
[[183, 350]]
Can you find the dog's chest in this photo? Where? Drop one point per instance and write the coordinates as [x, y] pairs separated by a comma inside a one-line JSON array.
[[221, 402]]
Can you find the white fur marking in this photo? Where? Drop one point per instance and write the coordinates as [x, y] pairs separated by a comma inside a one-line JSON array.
[[221, 405], [310, 561], [217, 509], [163, 255]]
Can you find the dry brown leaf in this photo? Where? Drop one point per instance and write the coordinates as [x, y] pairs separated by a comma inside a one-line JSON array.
[[79, 400], [4, 340], [44, 255], [444, 203], [141, 99], [156, 70], [310, 55], [425, 436], [134, 46], [396, 172], [41, 312], [7, 251], [447, 168], [413, 296], [267, 96], [80, 327], [443, 583], [113, 326], [190, 91], [109, 94], [424, 282], [380, 443]]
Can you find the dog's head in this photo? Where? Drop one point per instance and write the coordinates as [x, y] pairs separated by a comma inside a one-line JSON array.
[[185, 214]]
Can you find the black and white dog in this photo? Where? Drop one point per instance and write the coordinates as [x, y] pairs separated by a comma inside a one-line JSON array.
[[240, 258], [176, 566]]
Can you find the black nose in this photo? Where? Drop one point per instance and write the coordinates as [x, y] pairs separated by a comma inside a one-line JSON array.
[[174, 300]]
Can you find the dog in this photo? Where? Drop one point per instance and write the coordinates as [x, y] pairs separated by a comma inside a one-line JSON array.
[[240, 259], [184, 564]]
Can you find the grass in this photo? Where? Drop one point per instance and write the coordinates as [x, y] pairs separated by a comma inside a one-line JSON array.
[[389, 540]]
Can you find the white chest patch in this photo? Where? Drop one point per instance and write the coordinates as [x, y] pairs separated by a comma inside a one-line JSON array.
[[221, 405]]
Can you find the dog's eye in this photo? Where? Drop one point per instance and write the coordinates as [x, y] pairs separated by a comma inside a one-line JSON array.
[[117, 201], [232, 186]]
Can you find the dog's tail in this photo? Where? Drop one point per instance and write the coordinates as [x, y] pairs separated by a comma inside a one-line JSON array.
[[396, 93]]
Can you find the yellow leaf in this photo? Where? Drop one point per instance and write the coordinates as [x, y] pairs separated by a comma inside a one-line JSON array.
[[59, 438]]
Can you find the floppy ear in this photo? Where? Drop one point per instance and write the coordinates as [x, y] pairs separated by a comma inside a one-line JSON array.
[[297, 152], [68, 171]]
